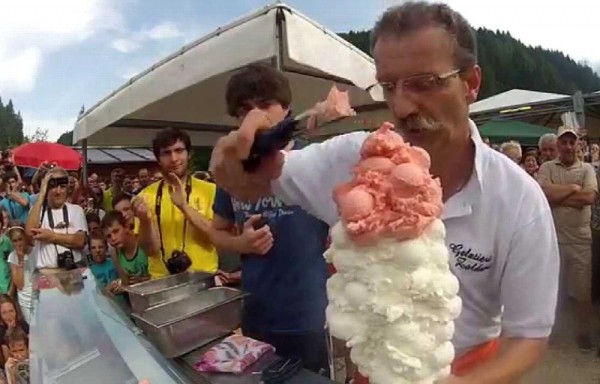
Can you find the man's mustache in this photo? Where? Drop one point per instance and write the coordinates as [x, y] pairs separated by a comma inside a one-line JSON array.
[[417, 122]]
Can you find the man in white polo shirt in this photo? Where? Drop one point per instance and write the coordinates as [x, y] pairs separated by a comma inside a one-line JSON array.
[[499, 224]]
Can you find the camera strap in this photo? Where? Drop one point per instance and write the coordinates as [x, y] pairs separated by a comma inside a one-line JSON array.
[[157, 211], [51, 221]]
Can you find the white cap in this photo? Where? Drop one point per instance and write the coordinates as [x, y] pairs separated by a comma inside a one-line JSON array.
[[563, 130]]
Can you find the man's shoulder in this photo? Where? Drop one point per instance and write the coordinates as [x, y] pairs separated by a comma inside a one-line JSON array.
[[202, 186], [508, 182]]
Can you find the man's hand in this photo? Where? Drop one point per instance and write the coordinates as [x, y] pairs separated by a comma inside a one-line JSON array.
[[177, 191], [138, 279], [258, 241], [140, 208], [453, 380], [44, 186], [43, 235], [229, 151]]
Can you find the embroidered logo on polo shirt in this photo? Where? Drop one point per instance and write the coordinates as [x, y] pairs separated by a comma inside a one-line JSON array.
[[466, 259]]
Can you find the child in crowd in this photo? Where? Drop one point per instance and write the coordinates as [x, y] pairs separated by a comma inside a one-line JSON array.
[[17, 365], [22, 266], [102, 267], [5, 245], [132, 261], [10, 319]]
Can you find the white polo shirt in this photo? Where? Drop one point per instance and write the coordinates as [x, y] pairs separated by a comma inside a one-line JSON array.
[[500, 233]]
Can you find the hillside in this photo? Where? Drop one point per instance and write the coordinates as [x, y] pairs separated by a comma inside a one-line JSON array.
[[507, 63]]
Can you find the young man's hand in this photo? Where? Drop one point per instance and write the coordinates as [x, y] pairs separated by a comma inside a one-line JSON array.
[[176, 190], [256, 240]]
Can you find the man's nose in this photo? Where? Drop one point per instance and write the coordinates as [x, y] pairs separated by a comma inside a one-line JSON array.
[[401, 103]]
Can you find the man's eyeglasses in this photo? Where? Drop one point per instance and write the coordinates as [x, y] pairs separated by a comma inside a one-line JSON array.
[[416, 84]]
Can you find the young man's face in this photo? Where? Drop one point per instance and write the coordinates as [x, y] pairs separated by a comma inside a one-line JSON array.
[[12, 184], [116, 234], [273, 109], [98, 251], [19, 350], [94, 228], [124, 208], [174, 159]]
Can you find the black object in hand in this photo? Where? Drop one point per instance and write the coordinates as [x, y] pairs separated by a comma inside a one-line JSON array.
[[281, 371], [268, 141], [260, 223]]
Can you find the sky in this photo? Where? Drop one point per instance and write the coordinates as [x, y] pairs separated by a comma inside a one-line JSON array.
[[56, 56]]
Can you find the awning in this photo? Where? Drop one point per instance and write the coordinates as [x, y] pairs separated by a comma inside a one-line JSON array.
[[118, 155], [186, 90], [499, 131]]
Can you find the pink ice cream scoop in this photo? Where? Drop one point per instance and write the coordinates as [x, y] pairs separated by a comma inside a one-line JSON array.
[[392, 193]]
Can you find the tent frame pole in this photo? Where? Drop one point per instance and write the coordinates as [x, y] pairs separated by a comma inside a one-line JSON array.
[[84, 153], [279, 38]]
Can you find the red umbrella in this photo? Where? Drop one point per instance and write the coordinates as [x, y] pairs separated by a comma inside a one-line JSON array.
[[34, 154]]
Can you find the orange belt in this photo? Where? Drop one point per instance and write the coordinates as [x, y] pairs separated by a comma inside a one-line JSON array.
[[462, 365]]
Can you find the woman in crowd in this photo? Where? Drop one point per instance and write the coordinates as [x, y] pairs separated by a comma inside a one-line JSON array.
[[529, 163], [22, 266]]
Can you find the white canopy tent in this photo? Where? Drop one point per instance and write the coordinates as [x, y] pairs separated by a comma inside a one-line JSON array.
[[512, 98], [187, 89]]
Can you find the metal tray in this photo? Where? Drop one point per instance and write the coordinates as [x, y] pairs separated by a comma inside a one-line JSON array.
[[171, 288], [179, 327]]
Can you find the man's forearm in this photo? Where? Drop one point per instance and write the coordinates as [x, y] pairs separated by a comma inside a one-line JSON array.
[[224, 240], [198, 220], [556, 193], [70, 240], [148, 237], [20, 199], [579, 199], [33, 220], [514, 359]]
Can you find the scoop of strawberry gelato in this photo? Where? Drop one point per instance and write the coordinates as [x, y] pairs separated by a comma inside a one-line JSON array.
[[392, 193]]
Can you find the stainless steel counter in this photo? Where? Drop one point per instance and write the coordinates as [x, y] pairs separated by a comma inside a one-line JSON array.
[[79, 335]]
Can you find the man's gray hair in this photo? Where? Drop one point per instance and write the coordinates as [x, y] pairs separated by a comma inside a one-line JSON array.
[[414, 15], [545, 138]]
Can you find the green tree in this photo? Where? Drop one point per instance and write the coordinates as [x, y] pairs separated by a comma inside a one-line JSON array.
[[507, 63]]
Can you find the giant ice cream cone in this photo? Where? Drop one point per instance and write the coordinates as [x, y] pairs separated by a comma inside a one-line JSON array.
[[393, 298]]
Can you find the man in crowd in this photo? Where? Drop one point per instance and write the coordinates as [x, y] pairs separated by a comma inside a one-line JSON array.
[[58, 228], [547, 146], [182, 246], [426, 64], [144, 179], [16, 202], [571, 187], [117, 177]]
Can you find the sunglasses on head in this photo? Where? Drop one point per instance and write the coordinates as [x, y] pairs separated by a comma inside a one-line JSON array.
[[58, 181]]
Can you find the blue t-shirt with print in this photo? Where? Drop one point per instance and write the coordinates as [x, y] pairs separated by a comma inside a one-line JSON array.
[[104, 273], [287, 285], [16, 211]]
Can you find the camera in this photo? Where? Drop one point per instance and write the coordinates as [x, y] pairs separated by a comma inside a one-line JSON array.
[[55, 182], [66, 261], [179, 262]]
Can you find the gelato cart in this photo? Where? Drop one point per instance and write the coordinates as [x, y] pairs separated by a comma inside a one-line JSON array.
[[78, 335]]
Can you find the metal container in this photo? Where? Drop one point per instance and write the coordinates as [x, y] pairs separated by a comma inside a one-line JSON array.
[[179, 327], [171, 288]]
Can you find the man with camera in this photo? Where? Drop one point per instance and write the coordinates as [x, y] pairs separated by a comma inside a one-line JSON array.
[[181, 245], [58, 228]]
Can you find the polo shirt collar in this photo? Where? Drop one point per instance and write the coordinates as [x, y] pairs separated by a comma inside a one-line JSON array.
[[462, 203]]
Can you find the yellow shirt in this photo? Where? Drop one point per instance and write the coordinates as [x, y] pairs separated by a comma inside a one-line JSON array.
[[107, 197], [197, 245]]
